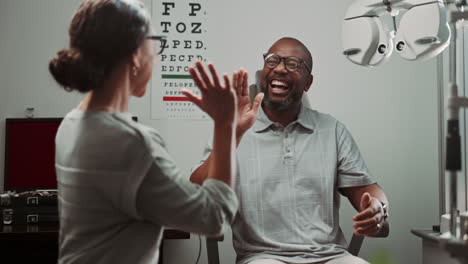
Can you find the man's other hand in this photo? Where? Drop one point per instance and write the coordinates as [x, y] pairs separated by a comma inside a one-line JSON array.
[[246, 111], [370, 219]]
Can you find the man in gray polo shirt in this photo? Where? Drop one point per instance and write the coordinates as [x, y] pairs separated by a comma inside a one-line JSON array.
[[292, 165]]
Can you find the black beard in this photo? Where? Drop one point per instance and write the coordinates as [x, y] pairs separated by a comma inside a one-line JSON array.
[[278, 106], [285, 105]]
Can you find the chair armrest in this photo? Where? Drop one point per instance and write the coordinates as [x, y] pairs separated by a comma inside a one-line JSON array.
[[355, 245], [356, 241], [216, 238], [212, 249]]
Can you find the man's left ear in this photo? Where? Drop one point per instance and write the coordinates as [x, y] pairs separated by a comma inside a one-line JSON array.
[[310, 80]]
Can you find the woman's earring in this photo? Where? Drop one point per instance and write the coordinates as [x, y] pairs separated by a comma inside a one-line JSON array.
[[135, 71]]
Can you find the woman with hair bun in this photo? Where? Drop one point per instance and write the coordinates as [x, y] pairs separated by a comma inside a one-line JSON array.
[[118, 186]]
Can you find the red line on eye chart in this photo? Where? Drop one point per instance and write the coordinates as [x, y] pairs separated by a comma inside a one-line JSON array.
[[175, 99]]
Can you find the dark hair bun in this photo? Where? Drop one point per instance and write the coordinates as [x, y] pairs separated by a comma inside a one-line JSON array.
[[72, 72], [103, 34]]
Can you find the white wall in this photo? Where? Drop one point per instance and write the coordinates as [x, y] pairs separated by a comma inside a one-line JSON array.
[[30, 36], [391, 110], [3, 88]]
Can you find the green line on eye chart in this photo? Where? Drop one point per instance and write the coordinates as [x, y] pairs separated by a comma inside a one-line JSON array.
[[176, 76]]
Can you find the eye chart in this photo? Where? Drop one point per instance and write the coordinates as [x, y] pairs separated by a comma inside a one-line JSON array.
[[183, 23]]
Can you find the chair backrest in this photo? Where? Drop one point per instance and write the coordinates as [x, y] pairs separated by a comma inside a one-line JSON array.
[[355, 244]]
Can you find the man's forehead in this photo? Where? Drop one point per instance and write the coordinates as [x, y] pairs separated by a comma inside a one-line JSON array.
[[287, 47]]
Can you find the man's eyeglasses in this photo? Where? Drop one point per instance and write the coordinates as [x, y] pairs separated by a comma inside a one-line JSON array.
[[162, 42], [291, 63]]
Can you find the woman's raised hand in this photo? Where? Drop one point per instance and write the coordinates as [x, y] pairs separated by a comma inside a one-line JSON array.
[[217, 100]]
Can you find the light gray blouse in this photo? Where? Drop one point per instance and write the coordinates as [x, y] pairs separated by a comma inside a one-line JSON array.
[[118, 187]]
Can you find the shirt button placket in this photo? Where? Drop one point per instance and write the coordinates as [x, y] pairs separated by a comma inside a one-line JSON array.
[[287, 145]]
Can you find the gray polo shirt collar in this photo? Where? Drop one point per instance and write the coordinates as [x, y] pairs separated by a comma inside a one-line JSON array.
[[306, 119]]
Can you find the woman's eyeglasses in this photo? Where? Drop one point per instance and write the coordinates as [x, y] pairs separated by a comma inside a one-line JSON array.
[[162, 42]]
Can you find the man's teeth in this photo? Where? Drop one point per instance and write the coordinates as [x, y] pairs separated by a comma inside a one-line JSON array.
[[279, 84]]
